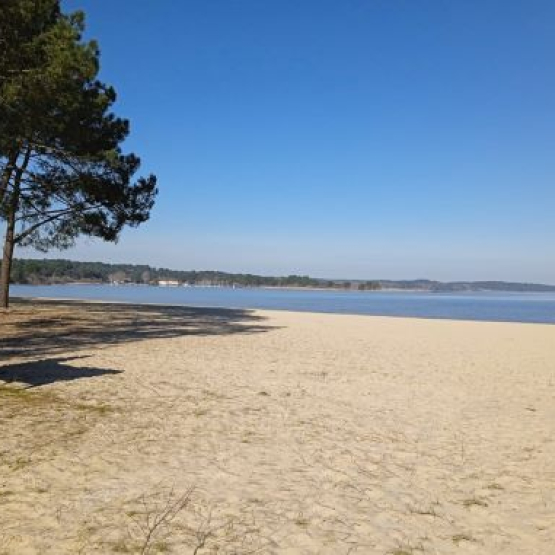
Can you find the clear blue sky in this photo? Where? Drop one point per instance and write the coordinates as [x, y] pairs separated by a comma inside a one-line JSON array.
[[355, 138]]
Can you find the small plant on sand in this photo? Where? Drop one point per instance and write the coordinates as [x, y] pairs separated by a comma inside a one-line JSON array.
[[458, 538], [425, 510], [153, 523], [301, 520], [474, 502], [5, 493], [407, 549], [121, 547]]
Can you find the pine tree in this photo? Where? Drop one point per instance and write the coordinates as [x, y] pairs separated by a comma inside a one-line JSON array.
[[63, 171]]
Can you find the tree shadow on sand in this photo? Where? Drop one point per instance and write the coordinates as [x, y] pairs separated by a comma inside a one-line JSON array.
[[43, 372], [35, 329]]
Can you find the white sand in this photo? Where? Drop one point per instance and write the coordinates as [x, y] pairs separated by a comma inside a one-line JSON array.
[[321, 434]]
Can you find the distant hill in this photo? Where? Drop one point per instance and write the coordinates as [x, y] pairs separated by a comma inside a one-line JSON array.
[[48, 271], [460, 286]]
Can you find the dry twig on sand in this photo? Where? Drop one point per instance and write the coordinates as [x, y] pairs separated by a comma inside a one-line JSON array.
[[154, 523]]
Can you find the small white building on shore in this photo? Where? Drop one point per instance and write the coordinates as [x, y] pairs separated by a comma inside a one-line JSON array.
[[168, 283]]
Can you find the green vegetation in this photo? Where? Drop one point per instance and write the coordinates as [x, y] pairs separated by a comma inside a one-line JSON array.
[[369, 286], [458, 538], [59, 271], [35, 272], [474, 502], [462, 286]]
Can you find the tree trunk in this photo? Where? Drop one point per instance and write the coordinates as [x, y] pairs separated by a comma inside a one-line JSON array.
[[7, 261], [9, 241], [7, 174]]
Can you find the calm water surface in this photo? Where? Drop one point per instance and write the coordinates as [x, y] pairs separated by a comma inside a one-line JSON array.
[[504, 307]]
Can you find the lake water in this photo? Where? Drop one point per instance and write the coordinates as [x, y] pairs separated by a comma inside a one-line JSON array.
[[503, 307]]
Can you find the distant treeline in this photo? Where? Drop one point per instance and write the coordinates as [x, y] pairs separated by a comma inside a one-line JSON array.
[[35, 271], [45, 271], [462, 286]]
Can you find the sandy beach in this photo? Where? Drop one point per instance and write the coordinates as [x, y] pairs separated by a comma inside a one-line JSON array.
[[148, 429]]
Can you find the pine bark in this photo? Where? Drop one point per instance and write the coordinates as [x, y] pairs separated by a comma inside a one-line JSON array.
[[7, 258], [7, 174], [9, 240]]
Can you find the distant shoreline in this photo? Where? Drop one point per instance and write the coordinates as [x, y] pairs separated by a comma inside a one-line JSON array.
[[530, 289], [61, 272]]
